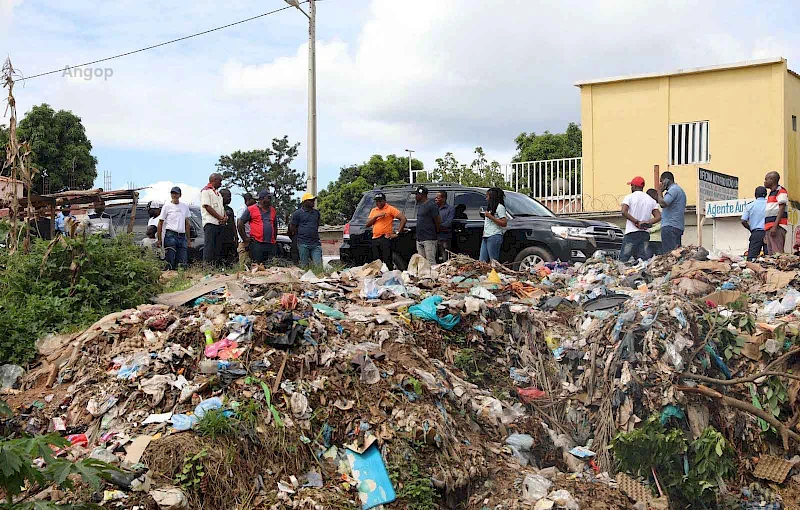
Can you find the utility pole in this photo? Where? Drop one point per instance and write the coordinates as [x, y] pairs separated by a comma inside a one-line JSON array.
[[410, 172], [311, 183]]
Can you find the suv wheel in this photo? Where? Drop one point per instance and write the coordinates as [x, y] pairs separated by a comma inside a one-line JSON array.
[[528, 258], [399, 263]]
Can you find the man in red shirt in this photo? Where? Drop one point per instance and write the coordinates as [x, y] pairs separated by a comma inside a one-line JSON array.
[[263, 220], [776, 217]]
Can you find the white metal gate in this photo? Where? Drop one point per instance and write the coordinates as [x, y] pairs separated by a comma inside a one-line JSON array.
[[557, 183]]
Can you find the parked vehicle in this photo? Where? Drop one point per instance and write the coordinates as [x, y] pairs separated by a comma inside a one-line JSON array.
[[535, 234], [121, 217]]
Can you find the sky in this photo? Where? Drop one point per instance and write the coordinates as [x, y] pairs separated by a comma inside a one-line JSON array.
[[432, 76]]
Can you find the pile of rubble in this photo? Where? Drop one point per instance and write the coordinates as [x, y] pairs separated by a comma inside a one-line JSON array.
[[459, 385]]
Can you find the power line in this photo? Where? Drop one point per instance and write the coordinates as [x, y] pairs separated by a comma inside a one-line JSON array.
[[165, 43]]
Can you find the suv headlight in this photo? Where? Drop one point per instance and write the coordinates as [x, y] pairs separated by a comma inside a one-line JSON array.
[[569, 232]]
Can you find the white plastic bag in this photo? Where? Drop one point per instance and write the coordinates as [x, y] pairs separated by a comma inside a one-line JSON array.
[[535, 487]]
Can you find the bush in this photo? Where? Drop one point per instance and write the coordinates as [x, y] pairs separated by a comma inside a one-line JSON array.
[[69, 283]]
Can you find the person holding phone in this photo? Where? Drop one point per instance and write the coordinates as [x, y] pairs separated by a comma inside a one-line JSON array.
[[672, 200], [495, 221]]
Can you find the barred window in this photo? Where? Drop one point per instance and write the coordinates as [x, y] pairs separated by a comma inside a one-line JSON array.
[[688, 143]]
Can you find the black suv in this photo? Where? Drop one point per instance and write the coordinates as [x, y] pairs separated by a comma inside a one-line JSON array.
[[534, 233], [121, 214]]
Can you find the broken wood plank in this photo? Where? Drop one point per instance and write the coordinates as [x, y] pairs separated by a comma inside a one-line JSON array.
[[198, 290]]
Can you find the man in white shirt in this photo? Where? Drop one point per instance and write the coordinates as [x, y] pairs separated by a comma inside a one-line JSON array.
[[174, 218], [154, 211], [642, 212], [212, 211], [100, 223]]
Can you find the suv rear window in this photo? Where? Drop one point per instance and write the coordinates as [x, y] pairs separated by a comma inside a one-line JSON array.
[[470, 203], [398, 199]]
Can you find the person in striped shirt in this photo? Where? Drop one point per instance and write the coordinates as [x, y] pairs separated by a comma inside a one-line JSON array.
[[776, 218]]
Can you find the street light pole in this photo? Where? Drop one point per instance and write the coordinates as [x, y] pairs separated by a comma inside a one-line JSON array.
[[410, 172], [311, 184]]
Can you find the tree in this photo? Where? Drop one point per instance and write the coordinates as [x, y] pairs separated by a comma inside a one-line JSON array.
[[533, 147], [481, 173], [339, 200], [60, 148], [261, 169]]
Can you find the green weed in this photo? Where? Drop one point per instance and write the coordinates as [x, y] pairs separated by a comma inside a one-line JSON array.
[[215, 424]]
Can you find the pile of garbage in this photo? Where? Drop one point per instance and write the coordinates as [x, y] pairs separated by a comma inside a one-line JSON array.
[[459, 385]]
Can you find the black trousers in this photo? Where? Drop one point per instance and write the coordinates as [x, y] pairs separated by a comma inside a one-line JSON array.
[[382, 250], [212, 247], [756, 244], [261, 252]]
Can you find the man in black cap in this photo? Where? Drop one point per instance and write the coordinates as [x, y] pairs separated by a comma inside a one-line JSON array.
[[263, 220], [228, 236], [381, 219], [174, 219], [428, 225]]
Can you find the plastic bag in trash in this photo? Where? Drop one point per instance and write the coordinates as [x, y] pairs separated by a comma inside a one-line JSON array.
[[789, 302], [9, 374], [181, 422], [207, 405], [535, 487], [521, 445], [426, 310], [674, 349], [563, 499], [134, 366]]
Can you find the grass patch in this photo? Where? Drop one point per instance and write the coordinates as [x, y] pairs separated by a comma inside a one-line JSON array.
[[215, 424]]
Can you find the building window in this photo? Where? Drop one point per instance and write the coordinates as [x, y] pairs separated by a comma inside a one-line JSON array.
[[794, 122], [688, 143]]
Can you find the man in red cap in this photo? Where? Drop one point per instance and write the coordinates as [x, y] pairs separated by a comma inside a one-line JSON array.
[[641, 211]]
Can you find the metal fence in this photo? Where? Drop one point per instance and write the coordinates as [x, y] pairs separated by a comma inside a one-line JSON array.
[[557, 183]]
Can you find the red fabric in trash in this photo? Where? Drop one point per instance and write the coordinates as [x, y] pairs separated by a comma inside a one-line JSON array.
[[528, 395]]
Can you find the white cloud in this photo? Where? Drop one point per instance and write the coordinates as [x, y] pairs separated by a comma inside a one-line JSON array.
[[430, 76], [159, 191]]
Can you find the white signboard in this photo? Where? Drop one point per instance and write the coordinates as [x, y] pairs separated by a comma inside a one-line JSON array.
[[726, 208], [716, 186]]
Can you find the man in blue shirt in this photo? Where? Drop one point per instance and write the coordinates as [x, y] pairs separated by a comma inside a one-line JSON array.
[[753, 220], [672, 200], [304, 226], [61, 220], [446, 213]]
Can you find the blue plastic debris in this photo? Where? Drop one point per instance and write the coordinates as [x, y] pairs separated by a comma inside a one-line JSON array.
[[671, 411], [374, 486], [426, 310]]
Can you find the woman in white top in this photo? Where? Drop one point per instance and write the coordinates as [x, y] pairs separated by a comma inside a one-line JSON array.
[[495, 221]]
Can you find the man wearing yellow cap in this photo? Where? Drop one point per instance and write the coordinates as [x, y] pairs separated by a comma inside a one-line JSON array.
[[304, 227]]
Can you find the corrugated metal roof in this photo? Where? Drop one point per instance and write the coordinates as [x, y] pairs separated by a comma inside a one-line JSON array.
[[691, 70]]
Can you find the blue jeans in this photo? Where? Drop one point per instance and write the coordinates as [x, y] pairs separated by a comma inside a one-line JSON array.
[[176, 247], [635, 245], [670, 239], [310, 251], [490, 247]]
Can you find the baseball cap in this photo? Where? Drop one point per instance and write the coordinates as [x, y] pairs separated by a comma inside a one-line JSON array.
[[307, 196], [175, 189], [422, 190], [155, 204], [380, 196], [637, 181], [264, 194]]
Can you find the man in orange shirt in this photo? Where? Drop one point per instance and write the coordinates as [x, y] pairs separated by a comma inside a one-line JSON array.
[[381, 219]]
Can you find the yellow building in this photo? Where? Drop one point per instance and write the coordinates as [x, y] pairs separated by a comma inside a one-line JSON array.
[[738, 119]]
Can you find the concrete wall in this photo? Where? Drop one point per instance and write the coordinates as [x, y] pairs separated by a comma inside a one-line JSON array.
[[792, 95], [626, 127]]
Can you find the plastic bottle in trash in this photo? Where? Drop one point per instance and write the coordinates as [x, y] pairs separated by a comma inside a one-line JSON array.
[[209, 366], [208, 330]]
